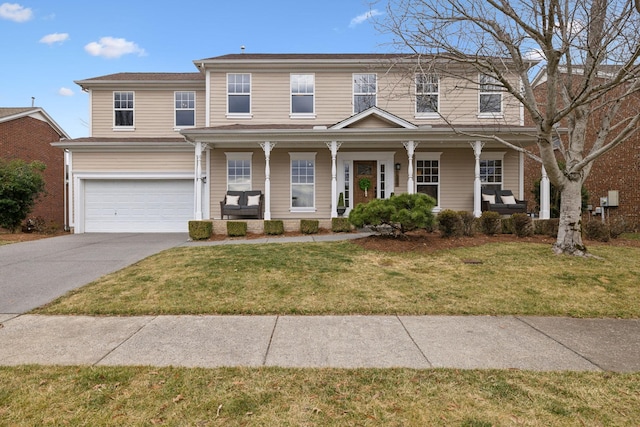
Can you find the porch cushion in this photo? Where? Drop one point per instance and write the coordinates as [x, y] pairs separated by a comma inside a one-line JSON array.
[[232, 200], [491, 198], [508, 200], [253, 200]]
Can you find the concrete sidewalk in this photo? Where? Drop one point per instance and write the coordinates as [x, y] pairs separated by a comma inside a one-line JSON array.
[[466, 342]]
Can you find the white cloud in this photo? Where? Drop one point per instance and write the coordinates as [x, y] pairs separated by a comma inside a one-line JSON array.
[[110, 47], [15, 12], [65, 91], [54, 38], [534, 55], [365, 16]]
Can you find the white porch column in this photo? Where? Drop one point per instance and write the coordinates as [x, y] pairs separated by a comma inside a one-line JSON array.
[[410, 146], [198, 181], [477, 185], [267, 147], [545, 196], [334, 146]]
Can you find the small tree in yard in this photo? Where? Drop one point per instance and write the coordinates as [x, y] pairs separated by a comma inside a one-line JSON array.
[[589, 50], [20, 185], [395, 215]]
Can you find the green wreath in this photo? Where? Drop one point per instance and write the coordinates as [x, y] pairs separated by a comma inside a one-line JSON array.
[[364, 184]]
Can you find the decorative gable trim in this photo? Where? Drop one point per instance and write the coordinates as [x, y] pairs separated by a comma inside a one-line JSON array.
[[374, 112]]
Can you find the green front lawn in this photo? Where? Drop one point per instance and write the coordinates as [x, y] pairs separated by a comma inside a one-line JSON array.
[[343, 278]]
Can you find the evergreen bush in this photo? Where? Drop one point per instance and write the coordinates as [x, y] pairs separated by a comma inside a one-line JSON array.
[[340, 225], [449, 223], [273, 227], [200, 230], [236, 228], [490, 223], [309, 226], [522, 225]]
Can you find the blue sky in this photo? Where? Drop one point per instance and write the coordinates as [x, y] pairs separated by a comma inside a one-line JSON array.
[[49, 44]]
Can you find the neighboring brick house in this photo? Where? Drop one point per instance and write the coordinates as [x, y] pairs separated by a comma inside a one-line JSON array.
[[27, 134], [617, 170]]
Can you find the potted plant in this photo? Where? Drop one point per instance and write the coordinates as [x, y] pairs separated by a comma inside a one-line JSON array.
[[341, 207]]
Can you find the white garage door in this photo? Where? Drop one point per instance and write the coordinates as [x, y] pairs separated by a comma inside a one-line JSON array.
[[138, 205]]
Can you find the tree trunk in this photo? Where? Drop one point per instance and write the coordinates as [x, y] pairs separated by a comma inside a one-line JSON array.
[[569, 239]]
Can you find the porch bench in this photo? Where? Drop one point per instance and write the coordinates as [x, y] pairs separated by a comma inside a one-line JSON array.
[[243, 204], [492, 200]]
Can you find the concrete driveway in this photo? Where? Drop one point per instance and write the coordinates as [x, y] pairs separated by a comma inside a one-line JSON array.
[[34, 273]]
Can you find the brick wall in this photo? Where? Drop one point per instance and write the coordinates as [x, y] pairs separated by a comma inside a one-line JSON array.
[[618, 169], [29, 139]]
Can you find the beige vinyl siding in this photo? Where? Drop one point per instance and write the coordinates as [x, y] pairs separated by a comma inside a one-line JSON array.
[[181, 161], [270, 98], [280, 182], [153, 113]]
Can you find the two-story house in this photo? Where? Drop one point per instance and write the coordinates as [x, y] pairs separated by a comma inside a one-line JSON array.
[[301, 128]]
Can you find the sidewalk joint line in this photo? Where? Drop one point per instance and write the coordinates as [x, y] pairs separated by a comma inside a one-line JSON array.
[[563, 345], [273, 331], [414, 342], [134, 333]]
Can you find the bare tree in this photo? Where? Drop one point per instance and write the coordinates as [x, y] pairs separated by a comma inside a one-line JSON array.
[[589, 53]]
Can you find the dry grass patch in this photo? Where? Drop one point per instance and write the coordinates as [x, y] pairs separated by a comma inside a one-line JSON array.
[[142, 396], [343, 278]]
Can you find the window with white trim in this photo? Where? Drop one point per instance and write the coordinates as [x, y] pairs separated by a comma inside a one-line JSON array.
[[123, 109], [427, 95], [238, 94], [365, 89], [303, 177], [491, 173], [428, 175], [185, 109], [238, 171], [302, 95], [490, 98]]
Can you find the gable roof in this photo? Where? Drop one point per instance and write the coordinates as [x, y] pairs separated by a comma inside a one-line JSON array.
[[8, 114], [148, 78], [376, 112]]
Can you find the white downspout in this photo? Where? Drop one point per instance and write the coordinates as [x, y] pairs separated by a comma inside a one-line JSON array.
[[545, 196]]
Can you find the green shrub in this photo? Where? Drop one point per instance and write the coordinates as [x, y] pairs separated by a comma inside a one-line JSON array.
[[468, 223], [596, 230], [200, 230], [449, 223], [618, 226], [522, 225], [309, 226], [490, 223], [396, 215], [273, 227], [21, 184], [506, 225], [548, 227], [236, 228], [340, 225]]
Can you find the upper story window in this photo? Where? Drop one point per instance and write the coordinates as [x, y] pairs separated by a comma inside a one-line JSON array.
[[427, 95], [365, 89], [185, 106], [123, 109], [490, 96], [238, 94], [302, 95]]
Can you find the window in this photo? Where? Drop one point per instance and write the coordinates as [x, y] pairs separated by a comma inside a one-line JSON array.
[[302, 94], [364, 92], [123, 109], [238, 171], [347, 189], [303, 175], [427, 94], [428, 176], [239, 94], [490, 95], [491, 174], [185, 103]]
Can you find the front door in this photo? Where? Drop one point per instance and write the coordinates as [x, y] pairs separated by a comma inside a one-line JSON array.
[[366, 172]]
